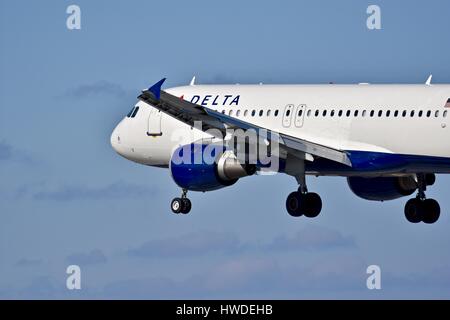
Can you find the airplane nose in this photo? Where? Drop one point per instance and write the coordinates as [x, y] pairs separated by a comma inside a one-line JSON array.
[[115, 140]]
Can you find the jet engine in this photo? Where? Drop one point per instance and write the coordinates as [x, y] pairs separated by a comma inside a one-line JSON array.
[[382, 188], [207, 167]]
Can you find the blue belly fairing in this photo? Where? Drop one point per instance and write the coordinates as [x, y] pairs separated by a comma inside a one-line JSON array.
[[368, 163]]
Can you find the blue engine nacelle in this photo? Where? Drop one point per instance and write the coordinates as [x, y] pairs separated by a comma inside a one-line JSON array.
[[382, 188], [200, 167]]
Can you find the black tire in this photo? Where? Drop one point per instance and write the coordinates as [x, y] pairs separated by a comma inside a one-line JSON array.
[[293, 204], [313, 205], [186, 206], [430, 179], [176, 205], [414, 210], [431, 211]]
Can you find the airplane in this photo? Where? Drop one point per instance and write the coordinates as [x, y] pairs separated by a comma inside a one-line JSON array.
[[388, 140]]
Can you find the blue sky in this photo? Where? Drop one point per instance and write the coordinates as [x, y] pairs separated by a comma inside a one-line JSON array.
[[67, 198]]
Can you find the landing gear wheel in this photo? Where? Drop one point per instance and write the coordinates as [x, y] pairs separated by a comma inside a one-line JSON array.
[[313, 204], [307, 204], [431, 211], [176, 205], [186, 205], [293, 202], [303, 202], [414, 210]]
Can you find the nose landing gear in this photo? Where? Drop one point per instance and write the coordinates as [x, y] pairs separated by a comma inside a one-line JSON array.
[[181, 205]]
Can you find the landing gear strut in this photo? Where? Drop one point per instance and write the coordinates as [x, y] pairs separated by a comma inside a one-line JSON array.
[[421, 209], [303, 202], [181, 205]]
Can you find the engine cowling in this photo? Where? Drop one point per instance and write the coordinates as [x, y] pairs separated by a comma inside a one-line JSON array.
[[200, 167], [382, 188]]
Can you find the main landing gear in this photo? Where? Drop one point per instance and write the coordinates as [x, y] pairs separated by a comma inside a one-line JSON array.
[[420, 209], [302, 202], [181, 205]]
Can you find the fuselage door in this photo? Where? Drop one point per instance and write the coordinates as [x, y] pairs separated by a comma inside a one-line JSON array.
[[154, 123], [299, 115], [287, 115]]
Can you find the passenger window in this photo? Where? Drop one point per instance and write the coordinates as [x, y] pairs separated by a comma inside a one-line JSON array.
[[396, 113], [428, 113], [324, 113], [223, 111], [355, 114], [245, 113], [348, 113], [340, 113], [420, 114], [300, 112], [238, 113], [135, 112], [288, 113], [276, 113], [260, 113], [445, 114], [404, 113], [268, 113], [308, 113], [230, 112], [364, 113], [412, 113], [388, 113], [436, 114], [253, 113], [332, 113], [316, 113], [372, 112], [380, 113]]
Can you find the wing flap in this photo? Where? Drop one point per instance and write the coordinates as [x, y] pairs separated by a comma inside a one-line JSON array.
[[316, 149], [289, 141]]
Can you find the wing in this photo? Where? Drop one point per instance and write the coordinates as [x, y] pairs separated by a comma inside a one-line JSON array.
[[188, 113]]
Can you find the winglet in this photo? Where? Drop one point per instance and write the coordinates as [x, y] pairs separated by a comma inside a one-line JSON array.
[[192, 81], [428, 83], [156, 88]]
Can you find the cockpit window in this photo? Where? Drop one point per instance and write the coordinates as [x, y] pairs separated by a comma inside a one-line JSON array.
[[130, 113], [135, 112]]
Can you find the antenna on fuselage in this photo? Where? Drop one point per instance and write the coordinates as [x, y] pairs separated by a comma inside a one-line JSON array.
[[428, 83], [192, 81]]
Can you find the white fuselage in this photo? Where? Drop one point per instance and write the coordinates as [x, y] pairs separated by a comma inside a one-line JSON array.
[[394, 119]]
